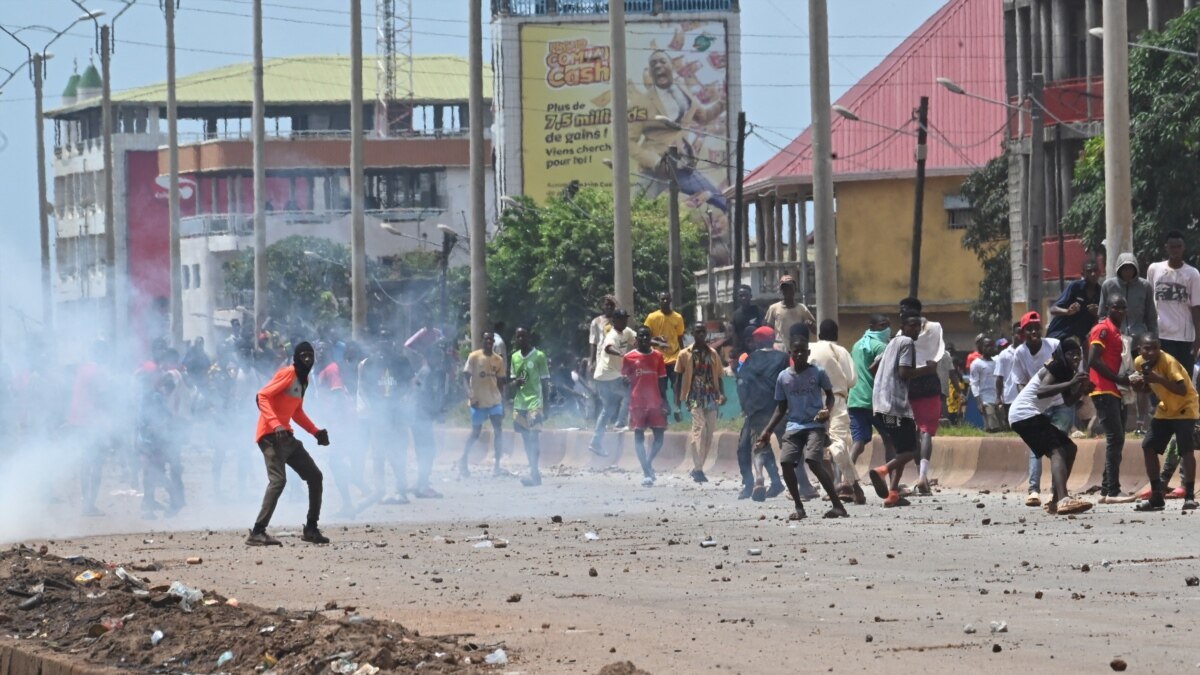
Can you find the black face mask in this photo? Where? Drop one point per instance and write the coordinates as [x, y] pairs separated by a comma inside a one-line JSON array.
[[302, 369]]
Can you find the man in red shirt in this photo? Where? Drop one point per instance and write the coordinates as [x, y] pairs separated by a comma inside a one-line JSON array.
[[1104, 361], [280, 402], [646, 371]]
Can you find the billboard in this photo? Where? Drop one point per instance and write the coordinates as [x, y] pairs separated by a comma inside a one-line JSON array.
[[678, 92]]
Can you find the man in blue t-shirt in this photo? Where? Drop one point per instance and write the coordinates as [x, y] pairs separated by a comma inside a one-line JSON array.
[[805, 396]]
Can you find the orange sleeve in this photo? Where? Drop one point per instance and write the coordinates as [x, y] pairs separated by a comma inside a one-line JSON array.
[[269, 394], [302, 419]]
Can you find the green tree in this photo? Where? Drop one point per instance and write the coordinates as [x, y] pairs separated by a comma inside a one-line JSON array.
[[308, 279], [1164, 104], [549, 265], [987, 237]]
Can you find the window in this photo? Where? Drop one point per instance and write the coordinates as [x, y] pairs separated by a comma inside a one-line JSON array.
[[196, 276], [959, 211], [186, 278]]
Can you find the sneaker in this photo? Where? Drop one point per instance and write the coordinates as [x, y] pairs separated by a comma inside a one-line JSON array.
[[894, 499], [1189, 505], [1177, 493], [696, 476], [648, 481], [427, 493], [395, 498], [1070, 505], [1151, 504], [262, 539], [879, 481], [620, 429], [746, 492], [775, 490], [531, 481], [1145, 493], [1034, 499], [313, 536], [598, 451], [859, 497]]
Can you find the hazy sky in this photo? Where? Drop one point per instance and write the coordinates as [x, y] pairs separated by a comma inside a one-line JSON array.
[[211, 33]]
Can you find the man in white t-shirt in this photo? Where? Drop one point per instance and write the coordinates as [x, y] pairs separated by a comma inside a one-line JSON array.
[[925, 391], [839, 367], [1005, 390], [1027, 360], [599, 327], [610, 386], [983, 383], [1176, 287]]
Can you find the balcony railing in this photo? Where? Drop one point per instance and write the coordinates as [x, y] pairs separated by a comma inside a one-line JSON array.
[[319, 134], [242, 224]]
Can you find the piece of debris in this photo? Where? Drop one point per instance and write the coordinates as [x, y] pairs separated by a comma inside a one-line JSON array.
[[999, 627], [1118, 665], [515, 597], [195, 560]]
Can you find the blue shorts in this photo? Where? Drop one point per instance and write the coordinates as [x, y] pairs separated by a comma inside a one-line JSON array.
[[861, 421], [481, 415]]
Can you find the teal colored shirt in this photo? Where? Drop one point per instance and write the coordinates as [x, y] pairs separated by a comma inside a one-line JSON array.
[[864, 353], [534, 368]]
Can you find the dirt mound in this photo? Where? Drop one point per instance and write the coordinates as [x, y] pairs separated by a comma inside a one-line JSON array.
[[106, 615], [622, 668]]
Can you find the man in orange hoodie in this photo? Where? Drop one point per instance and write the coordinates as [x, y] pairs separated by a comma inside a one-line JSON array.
[[280, 402]]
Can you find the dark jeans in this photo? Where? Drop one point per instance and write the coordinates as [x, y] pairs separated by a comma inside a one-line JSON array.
[[1182, 351], [1111, 413], [279, 454], [752, 428]]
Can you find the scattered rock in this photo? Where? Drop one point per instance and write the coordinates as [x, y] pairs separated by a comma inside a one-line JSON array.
[[1192, 581], [853, 561], [870, 638], [969, 629], [1118, 665], [195, 560], [1038, 595], [592, 572], [995, 649], [622, 668], [1085, 568], [999, 627], [515, 597], [556, 519]]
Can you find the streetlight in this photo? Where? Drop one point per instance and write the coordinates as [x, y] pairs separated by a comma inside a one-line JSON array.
[[953, 87], [853, 117], [1098, 33]]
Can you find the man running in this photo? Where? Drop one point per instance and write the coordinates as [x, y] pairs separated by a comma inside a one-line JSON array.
[[893, 412], [483, 375], [646, 372], [280, 402], [1027, 360], [799, 393], [701, 389], [531, 375], [1060, 378], [925, 391], [865, 354], [839, 367], [1175, 415], [756, 394]]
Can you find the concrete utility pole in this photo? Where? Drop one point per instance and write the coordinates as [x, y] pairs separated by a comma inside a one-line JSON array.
[[259, 126], [1118, 200], [622, 218], [739, 215], [358, 235], [1037, 196], [478, 233], [914, 272], [110, 235], [43, 210], [173, 188], [824, 230], [674, 245]]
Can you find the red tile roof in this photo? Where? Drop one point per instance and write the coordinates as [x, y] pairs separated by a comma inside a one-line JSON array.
[[963, 41]]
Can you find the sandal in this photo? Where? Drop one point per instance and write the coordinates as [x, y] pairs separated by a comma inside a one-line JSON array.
[[878, 482], [798, 514], [836, 513], [1147, 505]]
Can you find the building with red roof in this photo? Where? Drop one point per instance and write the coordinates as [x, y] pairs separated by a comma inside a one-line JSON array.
[[874, 176]]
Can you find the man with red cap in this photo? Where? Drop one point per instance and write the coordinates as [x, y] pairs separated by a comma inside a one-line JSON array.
[[1027, 360]]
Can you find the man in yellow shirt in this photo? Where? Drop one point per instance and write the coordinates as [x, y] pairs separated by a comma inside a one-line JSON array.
[[667, 325], [483, 376], [1175, 415]]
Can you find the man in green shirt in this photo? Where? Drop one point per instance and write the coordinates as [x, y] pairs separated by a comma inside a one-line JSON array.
[[531, 377]]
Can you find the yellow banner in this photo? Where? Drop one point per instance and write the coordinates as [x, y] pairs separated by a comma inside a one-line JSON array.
[[678, 91]]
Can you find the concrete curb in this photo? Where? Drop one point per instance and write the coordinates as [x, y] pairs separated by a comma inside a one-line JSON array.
[[958, 462]]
